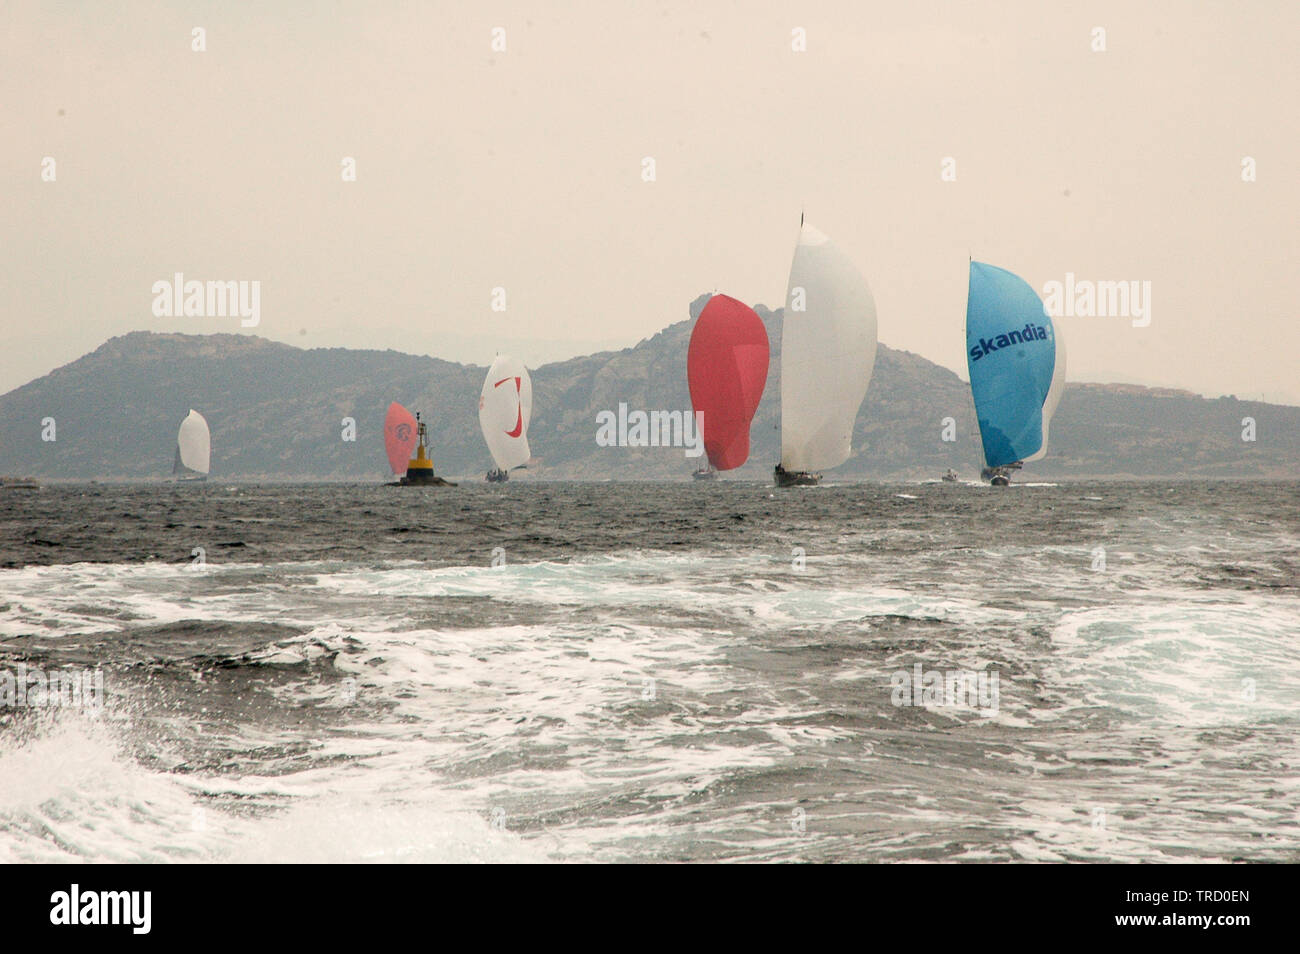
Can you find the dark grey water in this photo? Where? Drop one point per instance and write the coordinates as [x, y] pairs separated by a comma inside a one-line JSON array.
[[654, 671]]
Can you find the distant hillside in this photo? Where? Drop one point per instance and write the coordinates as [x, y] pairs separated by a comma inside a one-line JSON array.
[[276, 412]]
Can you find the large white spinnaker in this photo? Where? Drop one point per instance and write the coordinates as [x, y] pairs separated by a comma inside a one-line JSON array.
[[504, 408], [1053, 392], [828, 349], [193, 445]]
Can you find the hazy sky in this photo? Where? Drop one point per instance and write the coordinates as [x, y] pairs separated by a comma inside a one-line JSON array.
[[523, 169]]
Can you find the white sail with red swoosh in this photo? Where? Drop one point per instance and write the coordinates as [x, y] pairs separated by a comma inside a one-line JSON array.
[[504, 408]]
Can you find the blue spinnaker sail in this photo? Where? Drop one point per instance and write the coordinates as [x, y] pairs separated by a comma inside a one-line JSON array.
[[1011, 354]]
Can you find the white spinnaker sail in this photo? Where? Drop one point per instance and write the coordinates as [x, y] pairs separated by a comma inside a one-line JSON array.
[[194, 443], [827, 353], [504, 408], [1054, 391]]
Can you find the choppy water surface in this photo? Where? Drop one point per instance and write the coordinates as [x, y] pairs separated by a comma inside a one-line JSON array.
[[655, 672]]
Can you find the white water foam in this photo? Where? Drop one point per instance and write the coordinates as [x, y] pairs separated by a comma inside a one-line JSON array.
[[620, 716]]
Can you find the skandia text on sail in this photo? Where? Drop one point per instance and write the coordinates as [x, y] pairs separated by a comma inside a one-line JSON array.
[[1030, 332], [179, 298]]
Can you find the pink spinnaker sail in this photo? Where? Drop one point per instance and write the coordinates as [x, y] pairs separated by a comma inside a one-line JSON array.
[[399, 437]]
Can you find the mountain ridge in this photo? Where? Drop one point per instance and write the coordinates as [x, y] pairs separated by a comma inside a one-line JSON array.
[[276, 413]]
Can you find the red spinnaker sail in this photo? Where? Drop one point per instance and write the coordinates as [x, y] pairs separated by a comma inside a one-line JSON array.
[[726, 367], [399, 437]]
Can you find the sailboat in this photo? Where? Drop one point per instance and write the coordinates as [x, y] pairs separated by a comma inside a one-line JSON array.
[[828, 350], [726, 368], [504, 408], [193, 448], [400, 435], [1016, 360]]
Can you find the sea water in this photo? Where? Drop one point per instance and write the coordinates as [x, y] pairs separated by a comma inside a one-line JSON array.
[[681, 672]]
